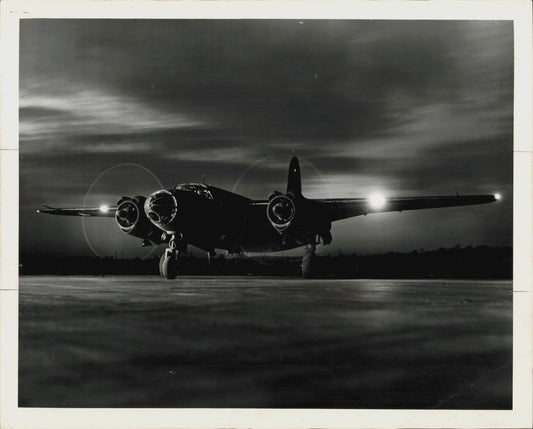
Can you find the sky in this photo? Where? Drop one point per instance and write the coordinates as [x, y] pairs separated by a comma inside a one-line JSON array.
[[408, 108]]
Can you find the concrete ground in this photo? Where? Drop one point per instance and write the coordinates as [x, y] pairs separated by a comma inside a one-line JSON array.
[[239, 342]]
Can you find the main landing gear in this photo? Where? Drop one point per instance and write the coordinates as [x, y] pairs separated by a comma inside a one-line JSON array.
[[308, 260], [169, 263]]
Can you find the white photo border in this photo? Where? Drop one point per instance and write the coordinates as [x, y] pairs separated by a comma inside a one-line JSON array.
[[519, 11]]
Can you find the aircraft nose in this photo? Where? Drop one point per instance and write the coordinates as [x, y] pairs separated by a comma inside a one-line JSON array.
[[161, 207]]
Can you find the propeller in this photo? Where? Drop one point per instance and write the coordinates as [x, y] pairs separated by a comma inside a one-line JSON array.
[[102, 236], [128, 212], [281, 208], [281, 211]]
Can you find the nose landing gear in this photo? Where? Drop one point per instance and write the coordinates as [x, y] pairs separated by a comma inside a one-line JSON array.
[[169, 263]]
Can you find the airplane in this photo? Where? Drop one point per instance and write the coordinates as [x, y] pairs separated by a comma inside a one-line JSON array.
[[211, 218]]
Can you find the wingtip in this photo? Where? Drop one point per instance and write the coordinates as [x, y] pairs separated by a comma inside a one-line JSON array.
[[45, 209]]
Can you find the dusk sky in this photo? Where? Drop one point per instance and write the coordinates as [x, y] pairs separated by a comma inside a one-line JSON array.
[[409, 108]]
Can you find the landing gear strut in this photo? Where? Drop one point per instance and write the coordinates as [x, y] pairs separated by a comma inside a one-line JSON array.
[[169, 263], [308, 261]]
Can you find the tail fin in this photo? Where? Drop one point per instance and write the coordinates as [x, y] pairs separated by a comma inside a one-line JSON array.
[[294, 182]]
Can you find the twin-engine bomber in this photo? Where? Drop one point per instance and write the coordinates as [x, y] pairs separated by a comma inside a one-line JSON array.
[[210, 218]]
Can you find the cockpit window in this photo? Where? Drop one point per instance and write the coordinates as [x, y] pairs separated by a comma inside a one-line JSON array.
[[198, 189]]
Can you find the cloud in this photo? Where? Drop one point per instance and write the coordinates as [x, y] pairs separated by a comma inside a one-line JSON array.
[[326, 79], [53, 119], [409, 107]]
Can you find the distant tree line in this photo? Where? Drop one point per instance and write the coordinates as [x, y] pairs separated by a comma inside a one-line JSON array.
[[481, 262]]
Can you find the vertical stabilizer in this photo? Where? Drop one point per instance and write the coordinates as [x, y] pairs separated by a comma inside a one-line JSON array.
[[294, 183]]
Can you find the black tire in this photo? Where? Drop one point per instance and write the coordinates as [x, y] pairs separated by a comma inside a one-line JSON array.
[[161, 260], [169, 265], [308, 263]]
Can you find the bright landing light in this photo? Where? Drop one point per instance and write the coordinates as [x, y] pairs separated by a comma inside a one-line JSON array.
[[377, 201], [104, 209], [497, 197]]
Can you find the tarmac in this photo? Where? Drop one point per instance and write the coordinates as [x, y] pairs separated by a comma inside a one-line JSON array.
[[264, 342]]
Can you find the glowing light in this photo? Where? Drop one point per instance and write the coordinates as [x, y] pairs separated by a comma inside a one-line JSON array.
[[104, 209], [377, 201], [497, 197]]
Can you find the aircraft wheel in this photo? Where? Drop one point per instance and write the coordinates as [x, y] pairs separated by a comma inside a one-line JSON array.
[[161, 260], [169, 264], [308, 263]]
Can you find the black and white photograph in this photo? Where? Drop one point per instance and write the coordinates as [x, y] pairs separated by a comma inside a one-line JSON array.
[[267, 213]]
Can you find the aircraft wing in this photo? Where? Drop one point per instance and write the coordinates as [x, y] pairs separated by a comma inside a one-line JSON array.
[[342, 208], [85, 211]]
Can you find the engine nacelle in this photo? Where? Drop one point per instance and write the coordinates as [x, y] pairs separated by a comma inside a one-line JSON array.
[[132, 220], [281, 211], [297, 220], [161, 208]]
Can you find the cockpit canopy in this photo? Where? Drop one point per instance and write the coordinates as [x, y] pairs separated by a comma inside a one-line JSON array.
[[197, 188]]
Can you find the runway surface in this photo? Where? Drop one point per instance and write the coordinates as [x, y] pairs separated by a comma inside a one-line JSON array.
[[248, 342]]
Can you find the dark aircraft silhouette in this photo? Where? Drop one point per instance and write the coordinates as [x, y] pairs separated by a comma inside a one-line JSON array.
[[211, 218]]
